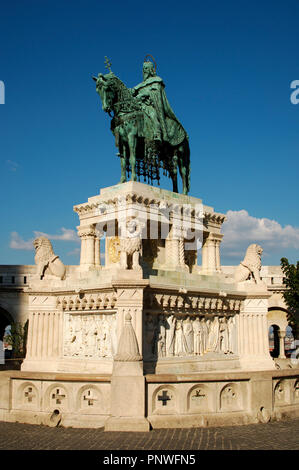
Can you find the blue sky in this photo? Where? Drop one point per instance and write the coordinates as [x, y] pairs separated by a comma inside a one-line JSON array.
[[227, 67]]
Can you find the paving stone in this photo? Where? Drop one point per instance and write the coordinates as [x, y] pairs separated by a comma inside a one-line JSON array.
[[282, 435]]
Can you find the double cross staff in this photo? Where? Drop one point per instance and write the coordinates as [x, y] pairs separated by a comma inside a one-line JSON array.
[[108, 63]]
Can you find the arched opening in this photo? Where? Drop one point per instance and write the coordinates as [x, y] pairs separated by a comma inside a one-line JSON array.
[[6, 321], [274, 340], [13, 337]]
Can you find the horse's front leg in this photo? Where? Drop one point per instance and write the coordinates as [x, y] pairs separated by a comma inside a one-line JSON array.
[[183, 171], [174, 174], [132, 141]]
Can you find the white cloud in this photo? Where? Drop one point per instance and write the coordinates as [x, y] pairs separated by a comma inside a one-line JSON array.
[[17, 242], [241, 229], [76, 251], [67, 235], [13, 166]]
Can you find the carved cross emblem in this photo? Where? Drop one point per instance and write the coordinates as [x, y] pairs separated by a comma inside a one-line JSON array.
[[107, 63], [58, 397], [29, 394], [229, 395], [89, 397], [164, 398], [198, 394]]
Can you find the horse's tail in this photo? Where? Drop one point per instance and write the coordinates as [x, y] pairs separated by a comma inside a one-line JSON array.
[[187, 162]]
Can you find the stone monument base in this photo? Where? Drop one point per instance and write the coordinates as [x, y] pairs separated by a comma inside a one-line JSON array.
[[172, 400], [149, 337]]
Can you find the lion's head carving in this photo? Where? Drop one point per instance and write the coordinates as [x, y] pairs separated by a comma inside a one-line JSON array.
[[46, 260], [251, 265], [253, 256], [43, 250]]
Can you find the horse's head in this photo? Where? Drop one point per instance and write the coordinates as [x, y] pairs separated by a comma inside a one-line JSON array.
[[105, 87]]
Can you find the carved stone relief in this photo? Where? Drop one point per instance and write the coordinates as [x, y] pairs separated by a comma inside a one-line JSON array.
[[177, 335], [90, 335]]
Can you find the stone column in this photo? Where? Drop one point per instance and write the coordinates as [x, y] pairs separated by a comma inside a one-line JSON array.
[[218, 263], [204, 257], [211, 245], [97, 254], [87, 235], [211, 254], [252, 334], [282, 335], [175, 248]]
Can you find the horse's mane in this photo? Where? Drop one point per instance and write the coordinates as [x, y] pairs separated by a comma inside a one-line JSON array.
[[124, 92]]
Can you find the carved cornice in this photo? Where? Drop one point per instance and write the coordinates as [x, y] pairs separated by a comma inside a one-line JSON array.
[[214, 217], [189, 303], [104, 206], [87, 302]]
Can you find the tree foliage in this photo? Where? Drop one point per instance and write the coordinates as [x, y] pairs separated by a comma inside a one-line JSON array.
[[291, 295], [17, 339]]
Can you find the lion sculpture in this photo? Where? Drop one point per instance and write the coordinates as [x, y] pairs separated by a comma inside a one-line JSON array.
[[130, 246], [46, 260], [251, 265]]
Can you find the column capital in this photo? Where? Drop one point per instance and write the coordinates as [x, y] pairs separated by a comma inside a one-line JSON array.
[[86, 231]]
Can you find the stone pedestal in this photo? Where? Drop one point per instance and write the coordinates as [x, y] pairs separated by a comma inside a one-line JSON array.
[[253, 342], [127, 384], [127, 398], [147, 335]]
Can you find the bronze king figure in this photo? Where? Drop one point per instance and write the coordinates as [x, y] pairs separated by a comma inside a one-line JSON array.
[[147, 133]]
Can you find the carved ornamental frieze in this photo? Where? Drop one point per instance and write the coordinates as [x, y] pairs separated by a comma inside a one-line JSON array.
[[87, 301]]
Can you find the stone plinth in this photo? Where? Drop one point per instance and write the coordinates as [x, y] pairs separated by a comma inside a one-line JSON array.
[[171, 340]]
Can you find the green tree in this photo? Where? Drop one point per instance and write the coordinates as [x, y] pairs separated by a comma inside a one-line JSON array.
[[291, 295], [17, 338]]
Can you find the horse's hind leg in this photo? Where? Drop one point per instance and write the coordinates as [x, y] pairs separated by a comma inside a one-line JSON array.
[[174, 174], [123, 164], [183, 171]]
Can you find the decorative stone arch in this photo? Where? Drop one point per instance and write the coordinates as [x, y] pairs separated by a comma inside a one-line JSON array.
[[5, 320], [230, 397], [282, 392], [277, 317], [28, 396]]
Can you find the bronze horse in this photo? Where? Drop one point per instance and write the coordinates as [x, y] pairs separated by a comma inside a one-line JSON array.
[[140, 154]]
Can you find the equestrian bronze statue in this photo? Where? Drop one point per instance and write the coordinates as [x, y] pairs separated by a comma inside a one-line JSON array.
[[147, 133]]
